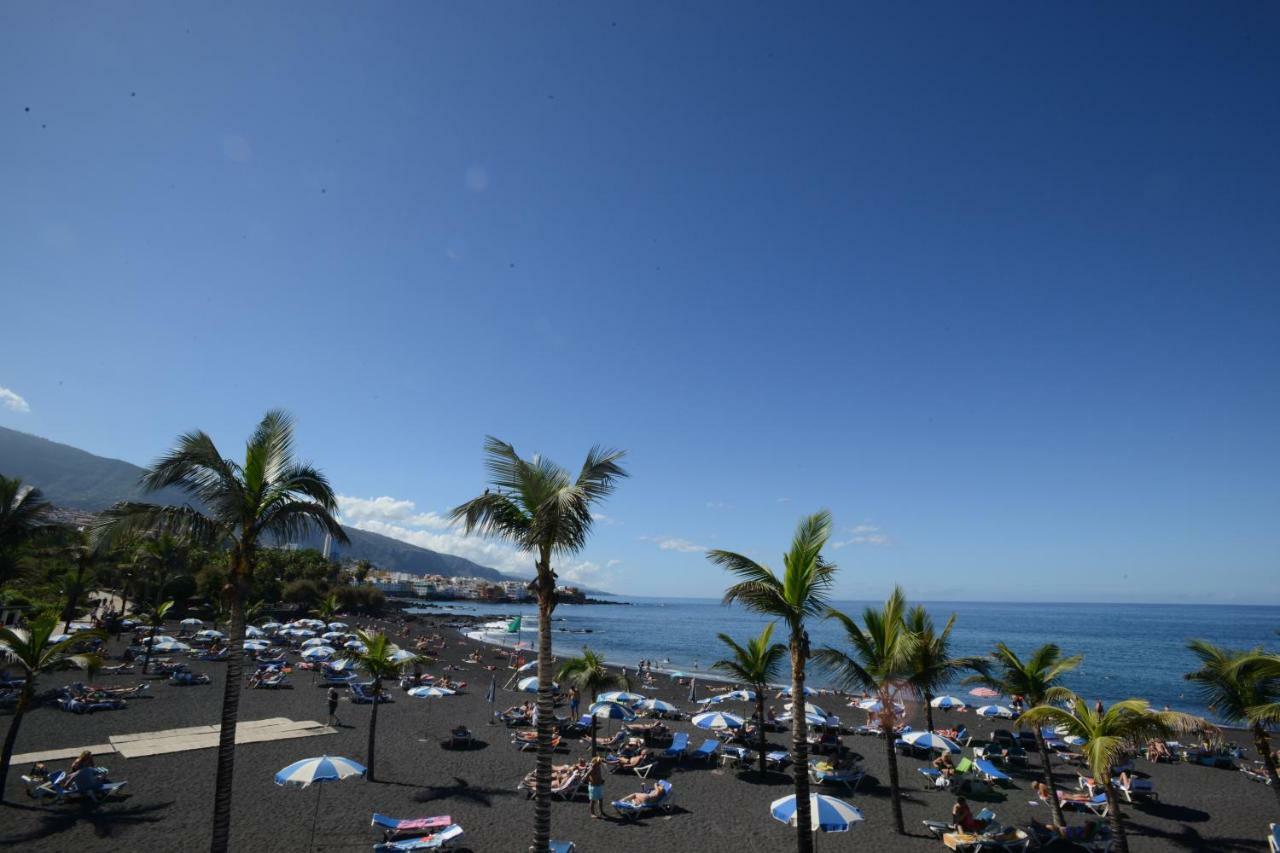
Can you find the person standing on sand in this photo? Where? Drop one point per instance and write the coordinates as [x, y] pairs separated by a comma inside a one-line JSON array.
[[595, 785], [333, 707], [575, 699]]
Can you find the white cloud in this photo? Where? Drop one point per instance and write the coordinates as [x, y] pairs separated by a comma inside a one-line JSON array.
[[606, 520], [674, 543], [400, 519], [864, 534], [718, 505], [784, 500], [12, 401]]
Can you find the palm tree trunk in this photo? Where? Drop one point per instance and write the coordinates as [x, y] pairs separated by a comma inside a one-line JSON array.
[[546, 590], [764, 743], [10, 739], [221, 838], [373, 727], [800, 748], [895, 793], [1263, 744], [1047, 768], [928, 710], [1113, 814], [593, 735]]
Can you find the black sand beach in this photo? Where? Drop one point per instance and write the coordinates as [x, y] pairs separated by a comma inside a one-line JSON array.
[[717, 810]]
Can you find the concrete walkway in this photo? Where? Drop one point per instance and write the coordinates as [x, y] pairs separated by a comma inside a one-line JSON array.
[[142, 744]]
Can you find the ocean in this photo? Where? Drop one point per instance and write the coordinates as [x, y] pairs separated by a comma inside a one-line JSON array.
[[1130, 650]]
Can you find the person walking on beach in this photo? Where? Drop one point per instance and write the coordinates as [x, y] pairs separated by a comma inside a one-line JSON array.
[[595, 785], [575, 699], [333, 707]]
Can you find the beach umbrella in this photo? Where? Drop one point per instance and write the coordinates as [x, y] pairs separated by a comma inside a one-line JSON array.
[[313, 642], [332, 636], [809, 708], [170, 645], [657, 706], [355, 646], [271, 627], [622, 697], [191, 623], [808, 691], [984, 693], [608, 710], [314, 624], [256, 645], [530, 685], [429, 692], [929, 740], [1074, 740], [827, 813], [252, 633], [319, 653], [872, 706], [300, 632], [402, 655], [809, 717], [60, 638], [310, 771], [146, 641], [995, 711], [531, 665], [948, 703], [491, 695], [337, 626], [342, 665], [717, 720]]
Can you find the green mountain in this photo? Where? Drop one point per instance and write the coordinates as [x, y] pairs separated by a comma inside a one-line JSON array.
[[74, 479]]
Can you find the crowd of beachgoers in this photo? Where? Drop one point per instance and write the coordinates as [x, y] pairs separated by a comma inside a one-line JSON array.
[[675, 762]]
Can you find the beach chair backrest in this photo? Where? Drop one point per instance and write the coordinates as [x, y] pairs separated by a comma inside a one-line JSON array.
[[679, 741], [985, 816]]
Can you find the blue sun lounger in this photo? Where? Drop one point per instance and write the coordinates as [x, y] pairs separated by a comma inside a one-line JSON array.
[[435, 841], [563, 847], [707, 751], [988, 772], [392, 827], [679, 746], [631, 811]]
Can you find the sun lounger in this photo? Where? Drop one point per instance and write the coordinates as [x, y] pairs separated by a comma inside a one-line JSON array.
[[525, 741], [679, 746], [435, 841], [778, 759], [1096, 804], [1092, 837], [939, 828], [362, 693], [1273, 837], [59, 788], [989, 773], [822, 773], [563, 847], [707, 751], [394, 827], [86, 706], [1135, 788], [631, 811], [642, 768], [1003, 838], [188, 679]]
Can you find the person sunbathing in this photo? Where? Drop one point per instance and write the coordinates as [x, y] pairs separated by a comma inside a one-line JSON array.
[[1073, 796], [962, 817], [1158, 750], [631, 762], [944, 765], [644, 798], [1068, 833]]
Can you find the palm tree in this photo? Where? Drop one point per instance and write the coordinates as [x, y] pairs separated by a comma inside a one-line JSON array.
[[881, 662], [1107, 735], [327, 608], [540, 508], [363, 567], [84, 560], [33, 653], [269, 496], [1238, 687], [164, 557], [798, 594], [379, 660], [757, 664], [153, 616], [932, 666], [23, 512], [590, 675], [1037, 680]]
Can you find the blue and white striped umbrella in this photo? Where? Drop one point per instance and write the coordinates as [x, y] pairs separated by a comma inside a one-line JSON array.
[[948, 703], [429, 692], [827, 814], [333, 636], [313, 642], [717, 720], [210, 634], [337, 626], [402, 655], [530, 666], [621, 696], [873, 706], [299, 632], [808, 691], [319, 653], [658, 706], [1074, 740], [929, 740], [611, 711], [995, 711], [62, 638], [810, 718], [809, 708], [313, 624], [732, 696], [342, 665], [252, 633], [271, 627], [355, 646], [530, 685], [169, 646], [146, 641], [326, 768], [191, 623], [256, 645]]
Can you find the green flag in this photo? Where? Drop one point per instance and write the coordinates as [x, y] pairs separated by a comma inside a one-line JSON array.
[[513, 627]]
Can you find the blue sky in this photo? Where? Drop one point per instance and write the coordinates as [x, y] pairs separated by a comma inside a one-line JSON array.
[[996, 285]]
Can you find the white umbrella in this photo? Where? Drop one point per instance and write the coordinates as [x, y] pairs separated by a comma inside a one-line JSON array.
[[402, 655], [948, 703], [657, 706], [355, 646], [309, 771], [252, 633], [995, 711], [192, 623], [210, 634], [809, 708], [606, 710], [717, 720], [622, 696], [530, 685], [319, 653], [256, 645], [337, 626], [333, 636], [827, 814], [929, 740], [313, 642]]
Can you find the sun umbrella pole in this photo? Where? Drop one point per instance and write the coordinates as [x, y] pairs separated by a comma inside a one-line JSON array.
[[311, 844]]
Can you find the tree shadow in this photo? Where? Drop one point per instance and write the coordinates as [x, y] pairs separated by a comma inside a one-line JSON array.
[[463, 791], [473, 745], [1170, 812], [770, 779], [1188, 838], [103, 818]]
